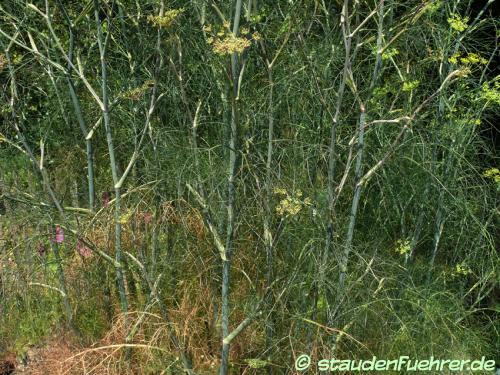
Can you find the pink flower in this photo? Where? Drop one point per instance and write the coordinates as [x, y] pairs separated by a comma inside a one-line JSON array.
[[147, 217], [59, 234], [83, 250]]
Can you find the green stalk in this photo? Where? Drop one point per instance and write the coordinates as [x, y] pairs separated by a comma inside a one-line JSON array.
[[332, 151], [109, 139], [233, 147], [77, 108], [358, 168], [354, 209]]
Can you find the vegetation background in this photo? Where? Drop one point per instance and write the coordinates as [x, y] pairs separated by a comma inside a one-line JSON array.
[[219, 186]]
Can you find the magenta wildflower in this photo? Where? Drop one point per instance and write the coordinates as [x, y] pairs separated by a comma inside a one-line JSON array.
[[83, 250], [147, 217], [59, 234]]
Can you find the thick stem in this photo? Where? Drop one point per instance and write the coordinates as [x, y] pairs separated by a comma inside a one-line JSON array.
[[118, 254], [226, 268], [78, 110], [332, 149], [354, 208], [111, 151], [344, 260], [230, 203], [88, 143]]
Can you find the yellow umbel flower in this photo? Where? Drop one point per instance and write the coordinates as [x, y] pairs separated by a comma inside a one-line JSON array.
[[490, 91], [230, 44], [291, 204], [256, 36], [403, 247], [410, 85], [462, 269], [493, 173], [454, 58], [432, 6], [280, 191], [469, 59], [389, 53], [224, 42], [167, 19], [458, 23]]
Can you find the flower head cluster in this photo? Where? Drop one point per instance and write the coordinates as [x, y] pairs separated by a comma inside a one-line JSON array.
[[291, 203], [403, 247], [462, 269], [82, 249], [490, 91], [410, 85], [469, 59], [167, 19], [230, 45], [493, 173], [224, 42], [458, 23], [387, 55], [125, 218], [256, 36], [463, 72], [59, 237], [380, 92], [432, 6]]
